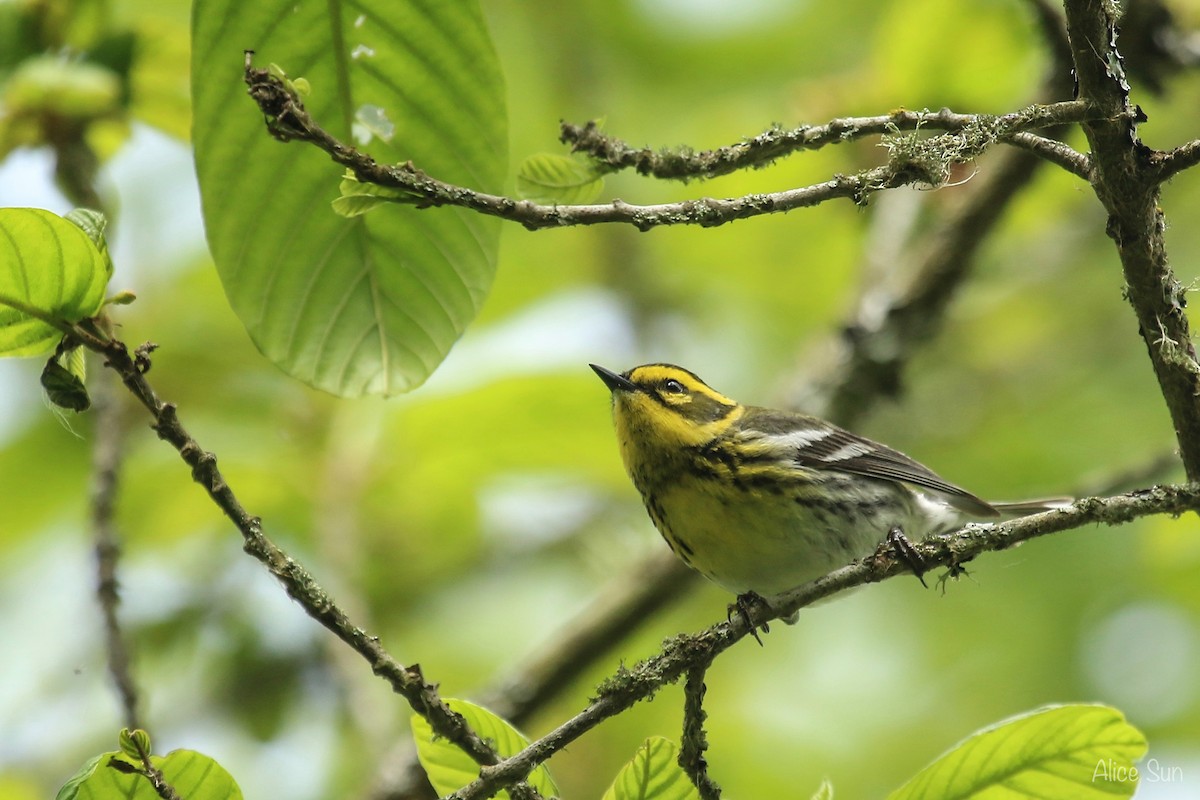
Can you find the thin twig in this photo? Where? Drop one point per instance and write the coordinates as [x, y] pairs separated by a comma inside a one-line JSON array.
[[106, 466], [1169, 164], [152, 773], [681, 653], [409, 682], [1054, 151], [694, 742]]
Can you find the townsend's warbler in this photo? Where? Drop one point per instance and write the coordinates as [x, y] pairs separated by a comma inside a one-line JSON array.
[[760, 500]]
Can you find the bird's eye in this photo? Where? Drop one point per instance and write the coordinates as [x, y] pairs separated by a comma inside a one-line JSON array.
[[673, 386]]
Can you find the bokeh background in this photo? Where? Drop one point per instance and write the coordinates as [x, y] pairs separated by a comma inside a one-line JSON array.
[[467, 524]]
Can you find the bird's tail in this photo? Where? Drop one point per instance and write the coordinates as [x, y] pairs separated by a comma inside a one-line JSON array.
[[1023, 508]]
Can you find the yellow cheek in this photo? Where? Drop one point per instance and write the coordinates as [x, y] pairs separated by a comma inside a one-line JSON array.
[[644, 422]]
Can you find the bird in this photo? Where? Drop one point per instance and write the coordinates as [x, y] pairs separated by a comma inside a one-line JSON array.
[[761, 500]]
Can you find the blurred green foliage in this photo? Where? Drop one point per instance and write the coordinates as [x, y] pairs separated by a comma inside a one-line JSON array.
[[466, 523]]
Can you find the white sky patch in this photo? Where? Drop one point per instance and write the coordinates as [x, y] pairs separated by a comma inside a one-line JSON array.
[[563, 331], [717, 18], [370, 122]]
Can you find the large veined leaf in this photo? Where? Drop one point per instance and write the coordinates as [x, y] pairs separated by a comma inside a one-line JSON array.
[[450, 769], [50, 269], [371, 303], [653, 774], [1077, 752], [553, 178], [192, 775]]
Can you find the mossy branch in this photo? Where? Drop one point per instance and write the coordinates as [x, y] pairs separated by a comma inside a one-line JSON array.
[[914, 160], [683, 163]]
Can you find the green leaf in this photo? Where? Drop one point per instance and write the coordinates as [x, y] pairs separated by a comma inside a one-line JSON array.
[[1075, 752], [50, 271], [653, 774], [450, 769], [92, 223], [193, 775], [359, 198], [824, 791], [71, 789], [134, 743], [64, 380], [368, 304], [553, 178]]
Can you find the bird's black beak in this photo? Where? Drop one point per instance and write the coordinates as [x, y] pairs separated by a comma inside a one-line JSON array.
[[612, 380]]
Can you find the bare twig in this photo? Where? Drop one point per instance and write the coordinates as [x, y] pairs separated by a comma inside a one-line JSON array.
[[106, 467], [1169, 164], [680, 654], [694, 742], [152, 773], [1055, 152]]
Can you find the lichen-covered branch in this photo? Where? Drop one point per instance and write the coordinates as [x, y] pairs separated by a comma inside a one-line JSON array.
[[684, 164], [914, 160], [694, 742], [682, 653], [106, 463], [407, 681], [1126, 176], [1167, 165]]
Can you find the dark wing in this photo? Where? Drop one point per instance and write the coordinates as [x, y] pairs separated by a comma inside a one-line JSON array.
[[822, 445]]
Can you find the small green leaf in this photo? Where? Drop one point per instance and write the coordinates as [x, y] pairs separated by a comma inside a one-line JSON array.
[[93, 223], [358, 198], [298, 88], [70, 789], [563, 180], [63, 379], [191, 774], [134, 743], [50, 272], [653, 774], [121, 298], [450, 769], [1075, 752]]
